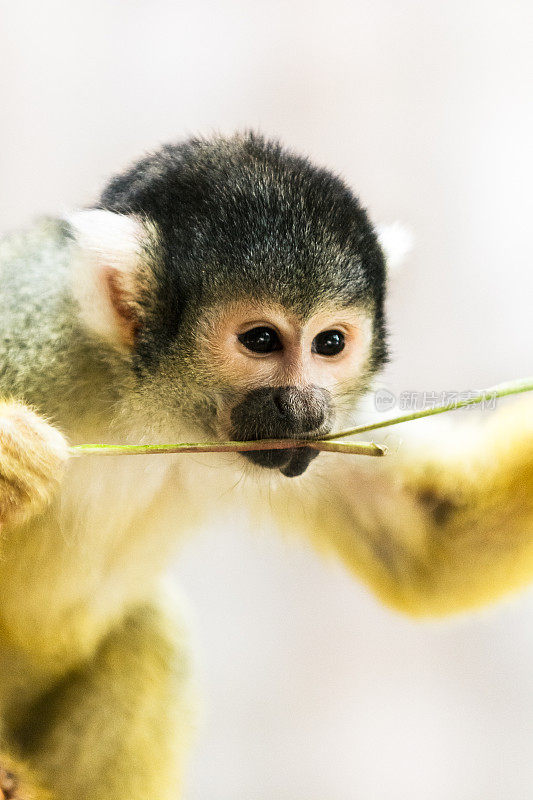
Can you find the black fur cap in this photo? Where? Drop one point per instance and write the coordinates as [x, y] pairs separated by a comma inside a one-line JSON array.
[[244, 216]]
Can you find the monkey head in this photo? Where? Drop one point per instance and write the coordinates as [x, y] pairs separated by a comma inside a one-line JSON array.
[[243, 288]]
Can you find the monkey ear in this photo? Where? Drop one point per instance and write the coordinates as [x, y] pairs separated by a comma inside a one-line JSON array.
[[396, 241], [106, 273]]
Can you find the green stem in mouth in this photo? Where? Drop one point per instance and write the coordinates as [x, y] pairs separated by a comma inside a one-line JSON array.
[[326, 442], [359, 448]]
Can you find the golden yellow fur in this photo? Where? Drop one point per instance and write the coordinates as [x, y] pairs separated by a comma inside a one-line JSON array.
[[96, 690], [17, 781], [439, 527], [97, 694]]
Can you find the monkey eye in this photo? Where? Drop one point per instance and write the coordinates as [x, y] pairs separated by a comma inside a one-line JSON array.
[[328, 343], [260, 340]]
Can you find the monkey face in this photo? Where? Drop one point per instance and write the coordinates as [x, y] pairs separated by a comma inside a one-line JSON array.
[[283, 374]]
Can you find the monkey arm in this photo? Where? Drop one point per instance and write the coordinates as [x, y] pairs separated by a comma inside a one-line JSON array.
[[432, 530], [119, 725]]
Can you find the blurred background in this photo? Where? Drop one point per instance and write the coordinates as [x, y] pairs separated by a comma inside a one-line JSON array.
[[313, 690]]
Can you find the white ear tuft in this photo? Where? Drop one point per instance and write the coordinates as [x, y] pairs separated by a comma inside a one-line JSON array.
[[104, 272], [396, 241]]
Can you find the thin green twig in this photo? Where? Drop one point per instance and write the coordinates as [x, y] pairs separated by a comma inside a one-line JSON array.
[[324, 443], [358, 448]]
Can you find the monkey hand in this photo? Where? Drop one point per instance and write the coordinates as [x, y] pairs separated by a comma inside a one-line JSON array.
[[458, 530], [443, 525], [32, 457]]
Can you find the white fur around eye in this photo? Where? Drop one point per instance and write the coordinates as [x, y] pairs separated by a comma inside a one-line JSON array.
[[396, 241], [108, 256]]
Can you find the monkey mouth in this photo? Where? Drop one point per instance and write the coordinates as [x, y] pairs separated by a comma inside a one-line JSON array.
[[291, 462], [282, 412]]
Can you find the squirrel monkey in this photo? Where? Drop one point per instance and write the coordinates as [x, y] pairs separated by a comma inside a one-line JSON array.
[[222, 288]]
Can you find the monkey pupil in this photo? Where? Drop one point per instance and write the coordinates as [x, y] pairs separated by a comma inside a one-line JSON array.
[[328, 343], [260, 340]]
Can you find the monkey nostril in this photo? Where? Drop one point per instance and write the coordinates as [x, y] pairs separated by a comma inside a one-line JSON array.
[[313, 421], [318, 418], [278, 402]]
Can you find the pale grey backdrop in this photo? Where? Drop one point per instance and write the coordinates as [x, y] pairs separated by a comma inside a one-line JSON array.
[[313, 690]]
